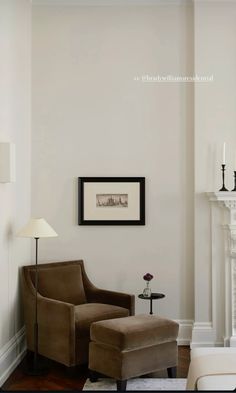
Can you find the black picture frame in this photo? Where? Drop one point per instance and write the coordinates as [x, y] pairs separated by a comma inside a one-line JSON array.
[[81, 184]]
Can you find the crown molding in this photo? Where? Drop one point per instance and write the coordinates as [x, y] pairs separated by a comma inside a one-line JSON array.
[[110, 2]]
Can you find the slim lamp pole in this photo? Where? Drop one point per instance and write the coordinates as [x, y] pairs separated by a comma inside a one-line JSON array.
[[36, 309], [36, 229]]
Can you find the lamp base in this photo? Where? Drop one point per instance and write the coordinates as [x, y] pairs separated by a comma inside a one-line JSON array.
[[36, 371], [35, 368]]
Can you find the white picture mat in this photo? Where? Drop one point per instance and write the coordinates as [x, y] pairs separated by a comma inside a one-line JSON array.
[[92, 212]]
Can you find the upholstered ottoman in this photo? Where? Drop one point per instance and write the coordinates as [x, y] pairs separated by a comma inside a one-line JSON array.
[[132, 346]]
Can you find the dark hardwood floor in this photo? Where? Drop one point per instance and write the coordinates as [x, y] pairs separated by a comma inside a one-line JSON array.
[[59, 378]]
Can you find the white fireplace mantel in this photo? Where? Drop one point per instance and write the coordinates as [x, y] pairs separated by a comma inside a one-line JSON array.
[[224, 197], [227, 200]]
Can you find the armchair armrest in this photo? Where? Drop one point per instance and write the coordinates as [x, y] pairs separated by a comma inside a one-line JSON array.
[[125, 300], [56, 330]]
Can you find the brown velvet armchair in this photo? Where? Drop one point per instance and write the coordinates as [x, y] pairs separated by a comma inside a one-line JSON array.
[[67, 305]]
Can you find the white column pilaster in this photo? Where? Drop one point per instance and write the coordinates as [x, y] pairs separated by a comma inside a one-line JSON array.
[[227, 200]]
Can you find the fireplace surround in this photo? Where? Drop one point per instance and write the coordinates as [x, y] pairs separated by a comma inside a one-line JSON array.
[[223, 239]]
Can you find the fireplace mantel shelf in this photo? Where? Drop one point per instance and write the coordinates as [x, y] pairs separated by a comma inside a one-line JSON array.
[[227, 199], [221, 196]]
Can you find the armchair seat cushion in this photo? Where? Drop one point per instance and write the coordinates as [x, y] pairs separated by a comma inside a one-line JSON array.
[[86, 314]]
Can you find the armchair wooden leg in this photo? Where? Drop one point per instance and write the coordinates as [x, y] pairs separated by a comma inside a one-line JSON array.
[[172, 371], [93, 376], [121, 385]]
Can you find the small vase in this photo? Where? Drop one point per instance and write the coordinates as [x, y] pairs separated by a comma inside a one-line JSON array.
[[147, 291]]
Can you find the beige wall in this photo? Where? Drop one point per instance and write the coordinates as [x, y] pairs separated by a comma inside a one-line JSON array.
[[90, 118], [15, 17]]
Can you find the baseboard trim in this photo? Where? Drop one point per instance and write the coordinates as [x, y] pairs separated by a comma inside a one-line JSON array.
[[185, 331], [204, 335], [11, 355]]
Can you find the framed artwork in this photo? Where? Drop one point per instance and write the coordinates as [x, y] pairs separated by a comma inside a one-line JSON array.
[[111, 200]]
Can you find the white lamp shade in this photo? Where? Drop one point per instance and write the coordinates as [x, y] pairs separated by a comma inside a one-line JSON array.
[[37, 227]]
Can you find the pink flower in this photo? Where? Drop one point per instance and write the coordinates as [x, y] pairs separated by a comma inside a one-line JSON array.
[[148, 277]]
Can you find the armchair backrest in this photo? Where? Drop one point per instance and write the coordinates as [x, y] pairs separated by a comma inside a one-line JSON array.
[[60, 281]]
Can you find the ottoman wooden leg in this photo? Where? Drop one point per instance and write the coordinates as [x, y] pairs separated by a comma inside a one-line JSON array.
[[93, 376], [121, 385], [172, 371]]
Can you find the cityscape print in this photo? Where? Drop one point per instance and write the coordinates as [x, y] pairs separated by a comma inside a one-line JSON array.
[[112, 200]]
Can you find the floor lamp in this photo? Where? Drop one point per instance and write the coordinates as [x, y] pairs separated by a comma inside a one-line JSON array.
[[36, 228]]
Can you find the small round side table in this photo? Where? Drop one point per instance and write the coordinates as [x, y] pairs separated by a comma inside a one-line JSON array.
[[151, 298]]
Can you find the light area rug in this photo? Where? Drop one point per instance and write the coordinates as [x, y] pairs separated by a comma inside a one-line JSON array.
[[139, 384]]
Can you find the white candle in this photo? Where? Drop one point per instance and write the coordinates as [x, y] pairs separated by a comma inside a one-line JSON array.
[[224, 153]]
